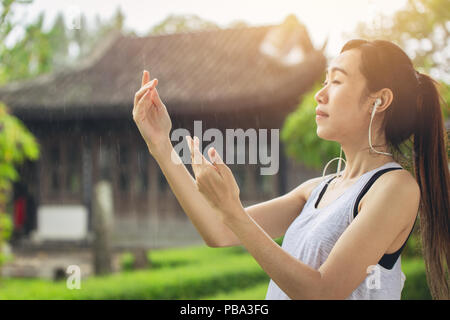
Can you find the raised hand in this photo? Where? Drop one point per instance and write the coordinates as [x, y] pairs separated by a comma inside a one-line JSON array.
[[215, 181], [150, 114]]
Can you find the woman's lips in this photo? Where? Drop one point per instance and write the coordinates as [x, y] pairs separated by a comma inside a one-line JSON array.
[[320, 114]]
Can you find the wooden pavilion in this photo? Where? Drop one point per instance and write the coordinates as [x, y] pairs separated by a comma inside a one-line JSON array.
[[250, 77]]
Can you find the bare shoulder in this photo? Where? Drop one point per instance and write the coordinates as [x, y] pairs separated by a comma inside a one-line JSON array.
[[402, 181], [396, 186]]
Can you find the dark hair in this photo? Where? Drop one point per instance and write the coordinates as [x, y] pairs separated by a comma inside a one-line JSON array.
[[414, 129]]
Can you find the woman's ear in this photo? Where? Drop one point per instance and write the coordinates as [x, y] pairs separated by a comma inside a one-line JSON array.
[[385, 98]]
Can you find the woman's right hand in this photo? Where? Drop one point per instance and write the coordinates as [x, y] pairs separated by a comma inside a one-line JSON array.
[[150, 114]]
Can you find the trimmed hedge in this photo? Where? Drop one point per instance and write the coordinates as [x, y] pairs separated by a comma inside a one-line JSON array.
[[219, 271], [185, 273]]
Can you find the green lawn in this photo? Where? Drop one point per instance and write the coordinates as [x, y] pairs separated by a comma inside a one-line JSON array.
[[196, 272]]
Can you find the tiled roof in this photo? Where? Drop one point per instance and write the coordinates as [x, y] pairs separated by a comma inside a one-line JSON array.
[[208, 71]]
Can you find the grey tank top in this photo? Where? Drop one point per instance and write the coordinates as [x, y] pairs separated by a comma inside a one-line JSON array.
[[314, 232]]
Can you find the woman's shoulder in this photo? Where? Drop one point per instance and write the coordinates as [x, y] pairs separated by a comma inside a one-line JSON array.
[[398, 178], [399, 184]]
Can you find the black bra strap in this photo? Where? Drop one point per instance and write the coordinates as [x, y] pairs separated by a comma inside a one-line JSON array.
[[322, 192], [388, 260], [367, 187]]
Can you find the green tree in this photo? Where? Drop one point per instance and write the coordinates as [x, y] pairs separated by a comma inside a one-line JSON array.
[[88, 35], [17, 144], [59, 43], [30, 56], [421, 28]]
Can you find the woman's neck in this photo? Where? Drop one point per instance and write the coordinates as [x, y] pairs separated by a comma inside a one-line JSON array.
[[360, 162]]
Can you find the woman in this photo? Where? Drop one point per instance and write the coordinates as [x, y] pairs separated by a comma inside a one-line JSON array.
[[346, 241]]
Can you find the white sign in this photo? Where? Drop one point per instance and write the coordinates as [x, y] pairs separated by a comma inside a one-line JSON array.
[[62, 222]]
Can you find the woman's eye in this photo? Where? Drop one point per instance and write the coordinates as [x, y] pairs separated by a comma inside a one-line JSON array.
[[325, 83]]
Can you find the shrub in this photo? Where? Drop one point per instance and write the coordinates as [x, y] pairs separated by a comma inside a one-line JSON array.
[[126, 261], [416, 287]]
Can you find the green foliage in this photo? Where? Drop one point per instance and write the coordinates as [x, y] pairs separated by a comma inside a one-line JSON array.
[[200, 271], [416, 286], [29, 57], [444, 90], [127, 261], [423, 23], [41, 51], [16, 141], [413, 248], [186, 273], [6, 229], [17, 144], [300, 138], [6, 13]]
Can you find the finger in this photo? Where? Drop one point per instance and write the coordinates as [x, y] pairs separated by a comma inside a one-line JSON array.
[[214, 156], [146, 95], [191, 147], [155, 98], [189, 142], [218, 163], [145, 77], [198, 156], [148, 85], [142, 90]]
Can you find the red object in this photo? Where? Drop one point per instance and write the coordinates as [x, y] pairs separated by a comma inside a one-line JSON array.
[[19, 212]]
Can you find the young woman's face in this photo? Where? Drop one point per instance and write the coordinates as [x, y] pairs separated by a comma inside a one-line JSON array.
[[339, 98]]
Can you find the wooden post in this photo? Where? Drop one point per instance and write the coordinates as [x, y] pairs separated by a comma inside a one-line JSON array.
[[102, 211]]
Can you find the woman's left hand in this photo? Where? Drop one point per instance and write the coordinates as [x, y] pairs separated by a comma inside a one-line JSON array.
[[215, 181]]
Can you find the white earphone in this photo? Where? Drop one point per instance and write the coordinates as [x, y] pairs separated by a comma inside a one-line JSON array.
[[375, 106]]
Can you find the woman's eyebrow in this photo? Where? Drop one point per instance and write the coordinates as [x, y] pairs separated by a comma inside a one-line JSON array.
[[337, 69]]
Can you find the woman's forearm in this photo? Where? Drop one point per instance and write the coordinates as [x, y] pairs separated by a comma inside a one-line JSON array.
[[200, 212]]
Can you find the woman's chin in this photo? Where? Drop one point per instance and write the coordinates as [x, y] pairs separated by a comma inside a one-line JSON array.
[[322, 134]]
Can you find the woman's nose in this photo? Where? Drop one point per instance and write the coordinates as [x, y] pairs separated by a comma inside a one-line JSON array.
[[320, 97]]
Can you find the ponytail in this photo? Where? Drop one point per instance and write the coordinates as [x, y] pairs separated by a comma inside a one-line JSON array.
[[431, 169]]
